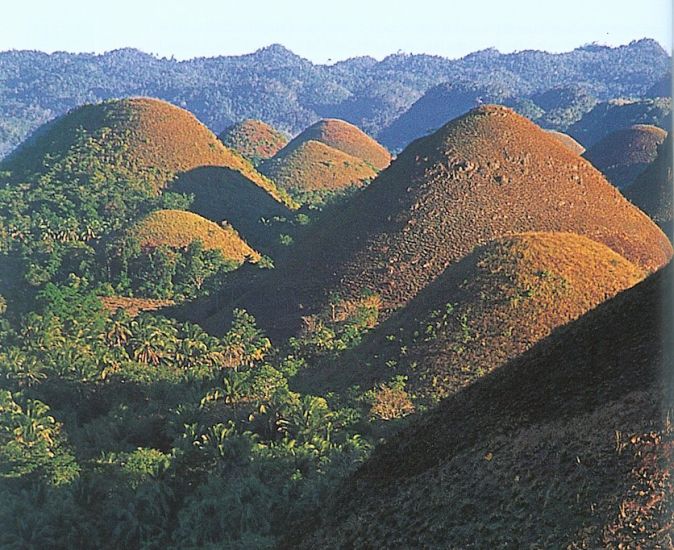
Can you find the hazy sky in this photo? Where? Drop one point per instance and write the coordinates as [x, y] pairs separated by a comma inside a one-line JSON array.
[[328, 30]]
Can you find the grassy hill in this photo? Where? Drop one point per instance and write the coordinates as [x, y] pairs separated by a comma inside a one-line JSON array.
[[566, 140], [569, 445], [652, 190], [485, 310], [624, 154], [485, 175], [177, 229], [253, 139]]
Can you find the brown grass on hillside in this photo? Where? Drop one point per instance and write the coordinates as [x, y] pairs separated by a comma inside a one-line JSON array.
[[623, 155], [313, 166], [178, 229], [652, 190], [253, 139], [486, 310], [133, 306], [347, 138], [568, 142], [485, 175], [142, 138], [568, 446]]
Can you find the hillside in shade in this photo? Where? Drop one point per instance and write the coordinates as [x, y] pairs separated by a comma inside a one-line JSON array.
[[610, 116], [485, 310], [624, 154], [485, 175], [144, 140], [652, 190], [570, 445], [253, 139], [346, 138], [178, 229], [315, 166]]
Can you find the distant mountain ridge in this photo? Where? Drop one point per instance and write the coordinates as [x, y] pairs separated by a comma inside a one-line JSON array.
[[283, 89]]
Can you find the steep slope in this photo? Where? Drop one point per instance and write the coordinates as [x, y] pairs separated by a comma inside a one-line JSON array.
[[624, 154], [178, 229], [615, 114], [569, 446], [486, 310], [145, 140], [652, 190], [253, 139], [347, 138], [485, 175], [315, 166], [568, 142]]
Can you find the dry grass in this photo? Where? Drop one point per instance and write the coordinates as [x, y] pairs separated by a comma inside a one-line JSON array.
[[486, 310], [312, 166], [133, 306], [569, 446], [488, 174], [568, 142], [178, 229], [623, 155], [253, 139], [347, 138]]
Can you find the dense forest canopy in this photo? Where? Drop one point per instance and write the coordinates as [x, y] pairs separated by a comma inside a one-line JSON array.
[[289, 92]]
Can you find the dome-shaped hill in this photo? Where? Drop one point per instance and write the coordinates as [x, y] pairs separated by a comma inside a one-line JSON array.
[[568, 446], [568, 142], [346, 138], [487, 174], [624, 154], [178, 229], [652, 190], [485, 310], [253, 139], [142, 139], [315, 166], [609, 116]]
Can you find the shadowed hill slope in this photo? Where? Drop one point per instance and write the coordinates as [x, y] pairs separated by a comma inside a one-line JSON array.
[[624, 154], [485, 175], [568, 142], [253, 139], [347, 138], [652, 190], [224, 194], [486, 310], [568, 446], [178, 229], [315, 166], [143, 139]]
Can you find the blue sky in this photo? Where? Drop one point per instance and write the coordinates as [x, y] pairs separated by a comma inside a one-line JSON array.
[[328, 30]]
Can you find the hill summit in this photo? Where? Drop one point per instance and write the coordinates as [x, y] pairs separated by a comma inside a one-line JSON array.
[[485, 175], [253, 139]]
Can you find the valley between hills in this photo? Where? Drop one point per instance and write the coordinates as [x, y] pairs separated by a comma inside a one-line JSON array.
[[254, 302]]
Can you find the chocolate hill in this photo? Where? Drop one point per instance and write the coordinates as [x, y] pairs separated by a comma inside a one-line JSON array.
[[485, 310], [253, 139], [624, 154], [652, 190], [178, 229], [568, 142], [141, 139], [315, 166], [615, 114], [347, 138], [487, 174], [568, 446]]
